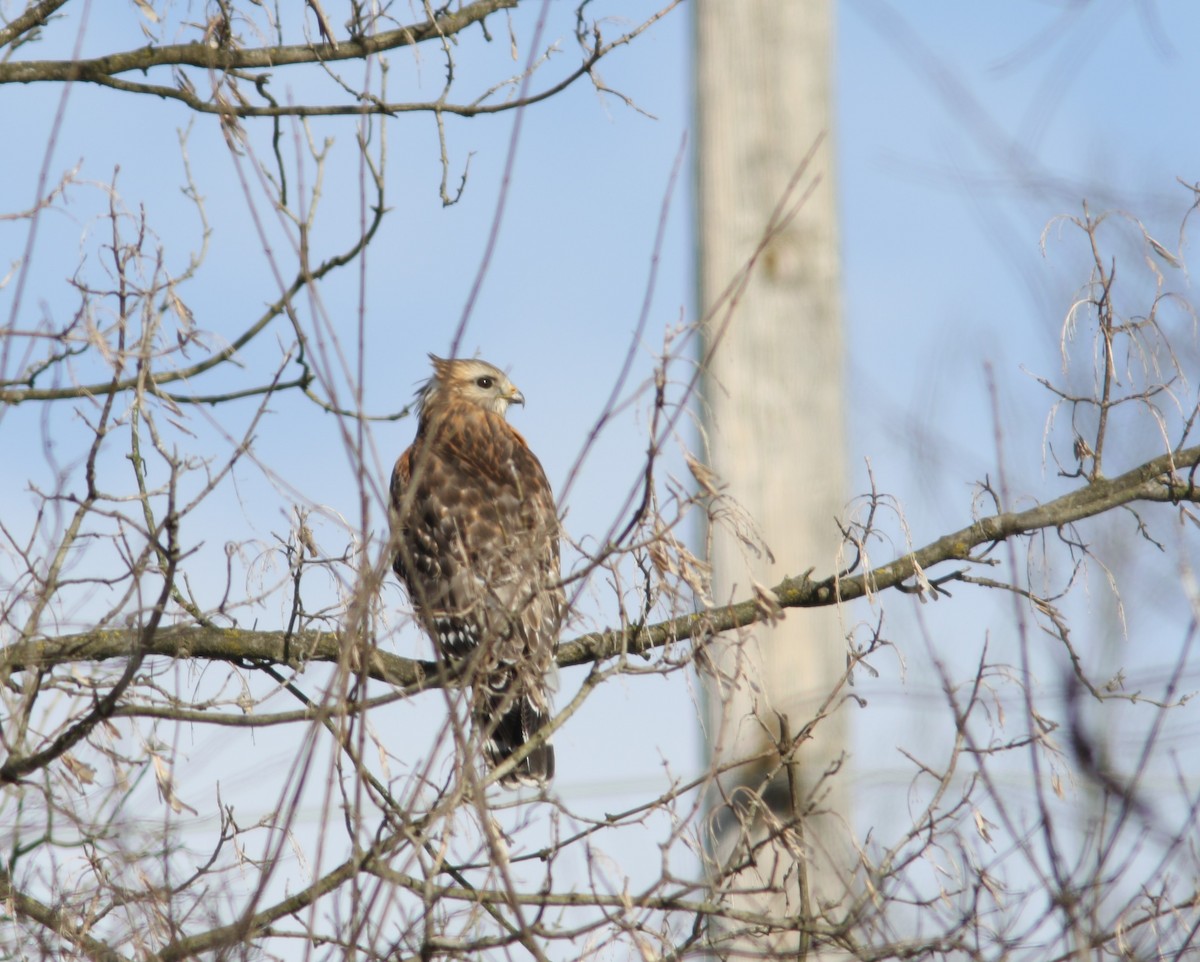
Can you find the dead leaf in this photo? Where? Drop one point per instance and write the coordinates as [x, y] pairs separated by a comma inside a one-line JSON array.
[[166, 790], [147, 11]]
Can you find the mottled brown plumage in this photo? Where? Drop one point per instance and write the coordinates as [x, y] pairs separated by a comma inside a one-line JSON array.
[[476, 535]]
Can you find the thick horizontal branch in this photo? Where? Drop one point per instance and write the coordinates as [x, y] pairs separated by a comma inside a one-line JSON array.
[[216, 644], [1164, 479], [250, 58], [1156, 480]]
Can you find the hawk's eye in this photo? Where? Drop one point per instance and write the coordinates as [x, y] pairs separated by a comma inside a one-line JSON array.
[[485, 382]]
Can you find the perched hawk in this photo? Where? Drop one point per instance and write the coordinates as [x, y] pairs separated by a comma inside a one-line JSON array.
[[476, 536]]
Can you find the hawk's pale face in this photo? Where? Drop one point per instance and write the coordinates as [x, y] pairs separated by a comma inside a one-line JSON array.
[[473, 381]]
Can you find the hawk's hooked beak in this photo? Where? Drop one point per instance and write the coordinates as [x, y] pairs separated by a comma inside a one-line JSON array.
[[515, 397]]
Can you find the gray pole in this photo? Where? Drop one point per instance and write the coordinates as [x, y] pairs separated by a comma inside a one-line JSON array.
[[775, 430]]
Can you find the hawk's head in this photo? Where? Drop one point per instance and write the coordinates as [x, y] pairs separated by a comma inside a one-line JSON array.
[[471, 381]]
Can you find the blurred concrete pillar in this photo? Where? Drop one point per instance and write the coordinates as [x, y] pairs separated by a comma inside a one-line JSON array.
[[775, 431]]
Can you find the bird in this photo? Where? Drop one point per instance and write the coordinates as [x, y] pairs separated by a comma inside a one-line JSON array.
[[476, 536]]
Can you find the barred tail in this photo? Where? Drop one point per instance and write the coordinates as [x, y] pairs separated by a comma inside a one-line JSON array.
[[519, 719]]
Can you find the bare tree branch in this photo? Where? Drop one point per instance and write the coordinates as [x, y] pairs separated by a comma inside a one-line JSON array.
[[35, 15], [55, 920], [1158, 480], [210, 57]]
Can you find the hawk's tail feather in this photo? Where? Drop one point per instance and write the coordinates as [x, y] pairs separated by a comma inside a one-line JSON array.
[[518, 721]]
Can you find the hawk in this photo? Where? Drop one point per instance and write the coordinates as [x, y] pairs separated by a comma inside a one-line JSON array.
[[477, 547]]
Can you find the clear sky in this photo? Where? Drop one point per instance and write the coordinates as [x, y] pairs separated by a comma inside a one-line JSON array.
[[962, 130]]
